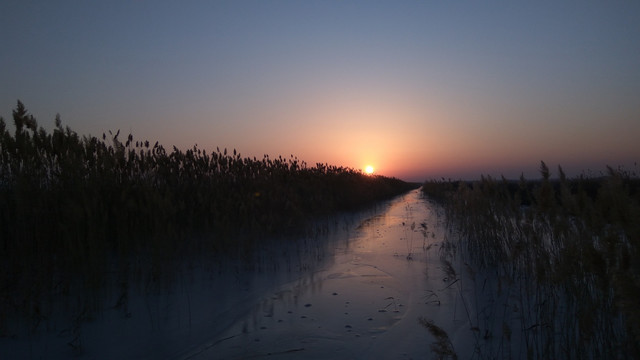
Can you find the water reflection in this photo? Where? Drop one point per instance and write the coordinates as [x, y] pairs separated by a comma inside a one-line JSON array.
[[363, 301], [178, 313]]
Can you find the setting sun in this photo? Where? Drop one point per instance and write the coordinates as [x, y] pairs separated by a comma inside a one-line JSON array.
[[368, 169]]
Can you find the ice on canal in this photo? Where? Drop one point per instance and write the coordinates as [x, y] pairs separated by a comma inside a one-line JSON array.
[[365, 302], [362, 288]]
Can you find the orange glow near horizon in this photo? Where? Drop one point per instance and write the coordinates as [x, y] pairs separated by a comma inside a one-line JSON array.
[[369, 170]]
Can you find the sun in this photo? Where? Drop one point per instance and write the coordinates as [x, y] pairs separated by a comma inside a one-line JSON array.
[[368, 169]]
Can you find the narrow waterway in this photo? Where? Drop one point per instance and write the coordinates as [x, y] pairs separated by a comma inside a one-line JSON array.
[[357, 289], [365, 302]]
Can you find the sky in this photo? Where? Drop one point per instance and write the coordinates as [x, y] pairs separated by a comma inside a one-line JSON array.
[[416, 89]]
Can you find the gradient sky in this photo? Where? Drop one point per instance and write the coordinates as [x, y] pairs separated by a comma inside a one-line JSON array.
[[417, 89]]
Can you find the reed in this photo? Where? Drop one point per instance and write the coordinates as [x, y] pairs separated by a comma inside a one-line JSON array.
[[74, 208], [568, 250], [442, 347]]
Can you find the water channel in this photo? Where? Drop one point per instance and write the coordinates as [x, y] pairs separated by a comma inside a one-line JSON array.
[[356, 290]]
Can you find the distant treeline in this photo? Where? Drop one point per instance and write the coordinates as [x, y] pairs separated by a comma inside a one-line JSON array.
[[572, 246], [70, 202]]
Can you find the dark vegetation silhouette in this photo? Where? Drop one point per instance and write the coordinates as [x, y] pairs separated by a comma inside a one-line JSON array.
[[566, 252], [74, 207]]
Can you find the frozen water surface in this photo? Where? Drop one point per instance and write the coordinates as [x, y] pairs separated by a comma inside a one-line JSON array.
[[357, 291], [364, 302]]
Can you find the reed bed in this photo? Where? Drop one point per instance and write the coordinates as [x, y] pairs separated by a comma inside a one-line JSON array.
[[556, 262], [75, 208]]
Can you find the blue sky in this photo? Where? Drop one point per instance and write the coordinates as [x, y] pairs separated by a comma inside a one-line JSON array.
[[417, 89]]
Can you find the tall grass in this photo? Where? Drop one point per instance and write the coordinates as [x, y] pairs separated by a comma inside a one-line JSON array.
[[74, 207], [565, 251]]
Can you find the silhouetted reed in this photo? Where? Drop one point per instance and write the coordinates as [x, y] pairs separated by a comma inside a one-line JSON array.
[[442, 347], [566, 253], [74, 208]]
